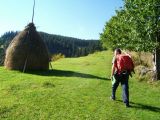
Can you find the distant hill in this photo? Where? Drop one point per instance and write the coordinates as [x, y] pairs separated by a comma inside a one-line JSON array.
[[69, 46]]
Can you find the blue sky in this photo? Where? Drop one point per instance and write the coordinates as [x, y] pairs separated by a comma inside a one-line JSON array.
[[83, 19]]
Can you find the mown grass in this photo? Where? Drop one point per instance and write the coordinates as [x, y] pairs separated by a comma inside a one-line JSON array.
[[77, 89]]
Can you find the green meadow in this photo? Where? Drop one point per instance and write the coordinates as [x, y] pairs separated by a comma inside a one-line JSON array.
[[76, 89]]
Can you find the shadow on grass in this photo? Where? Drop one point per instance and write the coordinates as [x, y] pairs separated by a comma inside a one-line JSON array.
[[143, 106], [65, 73]]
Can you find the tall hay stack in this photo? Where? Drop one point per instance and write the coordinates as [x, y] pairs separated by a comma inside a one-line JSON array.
[[27, 51]]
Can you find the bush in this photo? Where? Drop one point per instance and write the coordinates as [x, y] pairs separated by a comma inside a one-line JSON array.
[[144, 73], [142, 58], [143, 65], [56, 57]]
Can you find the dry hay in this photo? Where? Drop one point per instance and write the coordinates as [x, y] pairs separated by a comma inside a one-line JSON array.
[[27, 51]]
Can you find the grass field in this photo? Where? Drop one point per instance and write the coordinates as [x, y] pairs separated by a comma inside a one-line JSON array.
[[77, 89]]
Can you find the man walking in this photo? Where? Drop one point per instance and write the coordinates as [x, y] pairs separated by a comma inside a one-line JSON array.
[[120, 73]]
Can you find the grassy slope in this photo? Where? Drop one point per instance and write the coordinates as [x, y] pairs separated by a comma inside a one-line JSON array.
[[78, 88]]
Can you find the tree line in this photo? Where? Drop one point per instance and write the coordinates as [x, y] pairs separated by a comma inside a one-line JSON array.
[[68, 46]]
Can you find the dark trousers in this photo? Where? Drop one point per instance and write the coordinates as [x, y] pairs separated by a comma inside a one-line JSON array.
[[123, 79]]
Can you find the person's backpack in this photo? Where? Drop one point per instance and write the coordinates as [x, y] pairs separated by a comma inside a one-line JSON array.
[[124, 63]]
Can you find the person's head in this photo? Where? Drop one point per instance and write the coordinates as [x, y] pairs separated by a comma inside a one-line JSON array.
[[117, 51]]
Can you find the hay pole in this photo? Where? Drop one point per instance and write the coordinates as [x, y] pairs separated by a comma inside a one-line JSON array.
[[51, 65], [33, 11], [25, 64]]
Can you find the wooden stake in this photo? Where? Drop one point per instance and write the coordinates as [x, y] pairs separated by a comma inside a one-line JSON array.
[[25, 64], [33, 11]]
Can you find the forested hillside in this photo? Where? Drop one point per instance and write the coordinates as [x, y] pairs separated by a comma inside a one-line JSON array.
[[68, 46]]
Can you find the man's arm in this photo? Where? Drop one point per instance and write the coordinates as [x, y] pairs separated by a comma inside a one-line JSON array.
[[113, 70], [113, 66]]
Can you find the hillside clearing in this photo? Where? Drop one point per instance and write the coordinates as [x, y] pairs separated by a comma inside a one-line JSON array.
[[77, 88]]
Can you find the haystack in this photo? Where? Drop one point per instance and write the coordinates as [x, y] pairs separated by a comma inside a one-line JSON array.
[[27, 51]]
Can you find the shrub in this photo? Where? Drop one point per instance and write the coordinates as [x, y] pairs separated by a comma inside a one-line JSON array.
[[142, 58], [143, 65], [56, 57], [144, 73]]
